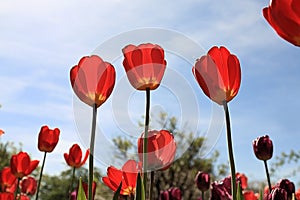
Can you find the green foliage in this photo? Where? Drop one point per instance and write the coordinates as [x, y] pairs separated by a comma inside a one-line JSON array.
[[6, 151], [81, 194], [140, 192]]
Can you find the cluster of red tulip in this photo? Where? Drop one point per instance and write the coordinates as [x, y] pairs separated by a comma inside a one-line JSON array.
[[16, 181], [218, 74]]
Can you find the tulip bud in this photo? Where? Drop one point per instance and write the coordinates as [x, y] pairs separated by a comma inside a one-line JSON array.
[[202, 181], [263, 148], [175, 193]]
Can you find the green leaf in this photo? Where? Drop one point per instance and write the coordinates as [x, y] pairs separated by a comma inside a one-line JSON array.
[[117, 193], [239, 192], [80, 194], [140, 191], [261, 195]]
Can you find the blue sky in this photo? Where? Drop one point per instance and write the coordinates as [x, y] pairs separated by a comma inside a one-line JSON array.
[[41, 41]]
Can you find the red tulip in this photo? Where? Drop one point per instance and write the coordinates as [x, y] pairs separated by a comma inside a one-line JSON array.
[[48, 139], [284, 17], [127, 175], [202, 181], [7, 179], [93, 80], [1, 132], [242, 179], [28, 185], [73, 159], [6, 196], [21, 165], [161, 149], [218, 74], [23, 197], [263, 147], [249, 195], [145, 65]]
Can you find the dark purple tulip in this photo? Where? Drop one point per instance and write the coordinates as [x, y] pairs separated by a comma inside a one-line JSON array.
[[164, 195], [220, 192], [202, 181], [288, 186], [263, 147], [277, 194], [175, 193]]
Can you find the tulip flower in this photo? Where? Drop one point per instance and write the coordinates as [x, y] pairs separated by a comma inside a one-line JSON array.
[[28, 185], [93, 80], [7, 179], [144, 65], [173, 193], [249, 195], [284, 17], [219, 191], [219, 75], [277, 194], [1, 132], [202, 181], [6, 196], [161, 149], [242, 179], [288, 186], [21, 165], [127, 175], [74, 158], [263, 150], [48, 139]]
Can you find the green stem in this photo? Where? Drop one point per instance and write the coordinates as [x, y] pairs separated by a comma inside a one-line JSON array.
[[268, 175], [17, 189], [151, 185], [40, 179], [202, 194], [91, 158], [145, 145], [72, 182], [230, 151]]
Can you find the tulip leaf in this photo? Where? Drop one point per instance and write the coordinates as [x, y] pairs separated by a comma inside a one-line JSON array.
[[239, 192], [80, 193], [117, 193], [140, 191]]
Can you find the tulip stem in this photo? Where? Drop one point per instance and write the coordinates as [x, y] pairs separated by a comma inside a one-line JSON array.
[[91, 158], [151, 185], [202, 195], [230, 151], [17, 189], [268, 175], [40, 179], [145, 145], [72, 182]]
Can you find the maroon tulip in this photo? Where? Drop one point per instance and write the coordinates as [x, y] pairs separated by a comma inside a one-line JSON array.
[[21, 165], [7, 179], [173, 193], [284, 17], [202, 181], [164, 195], [48, 139], [277, 194], [218, 74], [93, 80], [145, 65], [161, 149], [263, 148], [73, 159], [288, 186], [220, 192], [28, 185]]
